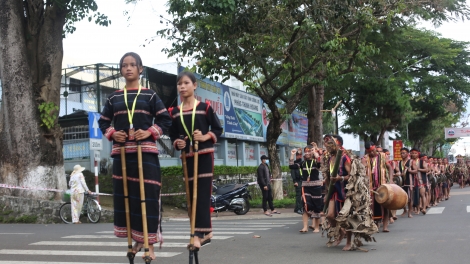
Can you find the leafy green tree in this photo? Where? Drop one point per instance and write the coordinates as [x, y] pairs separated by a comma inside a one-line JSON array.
[[31, 34], [416, 85], [280, 49]]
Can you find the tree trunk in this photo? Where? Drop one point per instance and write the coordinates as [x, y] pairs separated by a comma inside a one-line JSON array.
[[273, 131], [381, 138], [30, 65], [315, 116], [311, 115]]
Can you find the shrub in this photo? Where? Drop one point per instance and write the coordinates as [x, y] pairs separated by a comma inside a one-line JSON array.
[[172, 181]]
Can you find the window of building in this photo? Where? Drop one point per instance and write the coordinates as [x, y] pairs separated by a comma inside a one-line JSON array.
[[75, 91]]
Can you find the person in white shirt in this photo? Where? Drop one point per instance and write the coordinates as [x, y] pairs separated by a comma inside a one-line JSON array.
[[78, 187]]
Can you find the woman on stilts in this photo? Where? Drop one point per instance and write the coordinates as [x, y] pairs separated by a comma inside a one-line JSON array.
[[137, 114], [196, 121]]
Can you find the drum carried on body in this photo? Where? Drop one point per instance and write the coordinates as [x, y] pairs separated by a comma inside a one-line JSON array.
[[391, 196], [398, 180], [433, 180]]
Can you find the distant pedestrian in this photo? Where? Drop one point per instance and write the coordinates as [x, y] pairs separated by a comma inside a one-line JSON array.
[[264, 179], [297, 179], [78, 187]]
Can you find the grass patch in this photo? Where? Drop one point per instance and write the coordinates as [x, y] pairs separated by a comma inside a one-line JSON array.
[[10, 219], [284, 203], [7, 212], [26, 219]]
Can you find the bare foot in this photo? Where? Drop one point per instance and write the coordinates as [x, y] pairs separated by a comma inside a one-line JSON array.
[[340, 238], [151, 253], [197, 242], [137, 247], [410, 216], [347, 247], [391, 221], [385, 230], [206, 237], [316, 231], [404, 213]]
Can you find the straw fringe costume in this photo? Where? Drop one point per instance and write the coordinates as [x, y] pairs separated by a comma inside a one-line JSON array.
[[147, 108], [205, 120], [356, 215]]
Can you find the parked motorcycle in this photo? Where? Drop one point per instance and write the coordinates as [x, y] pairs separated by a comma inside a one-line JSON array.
[[230, 197]]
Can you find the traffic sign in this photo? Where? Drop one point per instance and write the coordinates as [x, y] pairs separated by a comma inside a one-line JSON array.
[[96, 144], [97, 155], [93, 126]]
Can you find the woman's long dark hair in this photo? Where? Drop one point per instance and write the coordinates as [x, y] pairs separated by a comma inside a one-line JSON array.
[[134, 55], [190, 75]]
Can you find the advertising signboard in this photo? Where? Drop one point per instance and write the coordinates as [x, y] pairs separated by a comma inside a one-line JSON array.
[[243, 115], [454, 132], [397, 145], [298, 129]]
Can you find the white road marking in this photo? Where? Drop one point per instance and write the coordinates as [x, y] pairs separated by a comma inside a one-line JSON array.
[[47, 262], [98, 244], [78, 253], [223, 227], [16, 233], [165, 237], [435, 210], [216, 230], [468, 208], [257, 223], [218, 233]]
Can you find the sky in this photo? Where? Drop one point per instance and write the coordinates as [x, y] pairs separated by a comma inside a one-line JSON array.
[[91, 43]]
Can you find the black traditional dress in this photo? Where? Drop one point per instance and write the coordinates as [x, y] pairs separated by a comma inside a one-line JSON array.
[[202, 118], [148, 107], [311, 186]]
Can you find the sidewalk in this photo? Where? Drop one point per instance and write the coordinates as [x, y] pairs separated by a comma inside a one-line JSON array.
[[178, 214]]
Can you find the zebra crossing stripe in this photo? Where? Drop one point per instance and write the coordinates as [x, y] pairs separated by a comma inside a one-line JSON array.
[[468, 208], [165, 237], [48, 262], [100, 244], [218, 233], [435, 210], [255, 223], [215, 230], [78, 253], [223, 227]]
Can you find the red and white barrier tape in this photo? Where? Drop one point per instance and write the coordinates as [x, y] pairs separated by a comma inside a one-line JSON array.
[[57, 190]]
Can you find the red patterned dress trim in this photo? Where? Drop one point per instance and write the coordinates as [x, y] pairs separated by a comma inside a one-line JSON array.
[[198, 112], [105, 118], [136, 235], [124, 112], [131, 147], [156, 132], [134, 179], [213, 136], [109, 132], [201, 152], [161, 111], [202, 175]]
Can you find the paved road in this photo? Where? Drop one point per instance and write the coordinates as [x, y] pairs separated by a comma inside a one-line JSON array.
[[441, 236]]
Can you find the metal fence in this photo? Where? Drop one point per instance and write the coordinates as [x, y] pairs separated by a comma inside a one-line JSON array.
[[87, 87], [76, 142]]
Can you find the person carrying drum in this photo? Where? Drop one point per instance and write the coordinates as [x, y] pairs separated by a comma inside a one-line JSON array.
[[377, 170], [402, 170]]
